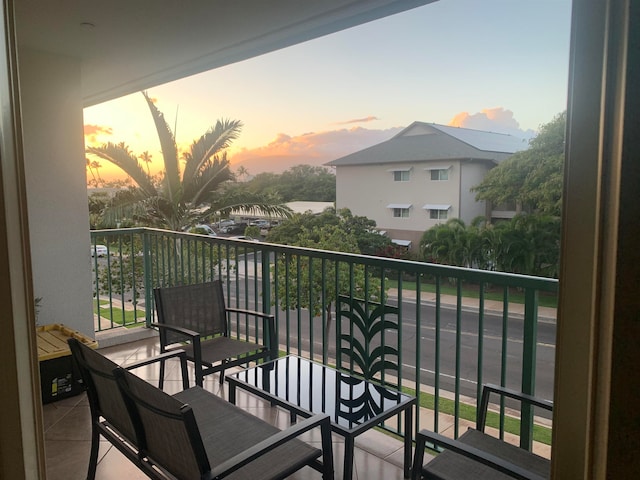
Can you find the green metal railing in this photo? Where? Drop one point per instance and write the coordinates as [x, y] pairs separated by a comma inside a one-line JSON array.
[[440, 309]]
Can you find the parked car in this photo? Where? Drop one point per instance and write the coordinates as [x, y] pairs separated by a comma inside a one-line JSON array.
[[225, 223], [237, 228], [203, 230], [99, 251], [244, 237], [260, 223]]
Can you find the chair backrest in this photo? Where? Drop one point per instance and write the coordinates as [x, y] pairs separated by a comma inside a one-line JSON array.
[[166, 428], [199, 307], [105, 399], [364, 347]]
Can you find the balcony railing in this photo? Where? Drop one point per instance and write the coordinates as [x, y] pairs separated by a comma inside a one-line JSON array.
[[457, 328]]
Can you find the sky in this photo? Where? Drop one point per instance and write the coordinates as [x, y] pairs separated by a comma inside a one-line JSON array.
[[496, 65]]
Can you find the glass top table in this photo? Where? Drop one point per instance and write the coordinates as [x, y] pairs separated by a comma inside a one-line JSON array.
[[304, 388]]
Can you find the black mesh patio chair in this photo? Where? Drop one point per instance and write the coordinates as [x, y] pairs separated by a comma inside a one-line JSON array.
[[195, 318], [476, 455], [109, 415], [197, 435]]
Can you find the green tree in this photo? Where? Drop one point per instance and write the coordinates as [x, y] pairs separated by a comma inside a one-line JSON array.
[[185, 197], [527, 244], [299, 183], [448, 243], [290, 230], [530, 179], [312, 283], [363, 229], [369, 240]]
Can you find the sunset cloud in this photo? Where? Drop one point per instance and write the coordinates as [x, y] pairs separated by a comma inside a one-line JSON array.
[[370, 118], [286, 151], [495, 119], [92, 132]]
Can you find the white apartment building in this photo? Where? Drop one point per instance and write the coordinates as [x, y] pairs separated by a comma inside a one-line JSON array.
[[421, 177]]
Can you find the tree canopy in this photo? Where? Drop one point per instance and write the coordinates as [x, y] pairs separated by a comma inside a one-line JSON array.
[[367, 240], [313, 283], [299, 183], [180, 198], [527, 244], [531, 179]]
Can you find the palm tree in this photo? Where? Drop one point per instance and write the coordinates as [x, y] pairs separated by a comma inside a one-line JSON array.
[[146, 158], [242, 172], [94, 180], [181, 199]]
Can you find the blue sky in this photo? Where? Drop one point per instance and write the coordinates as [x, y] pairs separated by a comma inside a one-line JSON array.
[[499, 65]]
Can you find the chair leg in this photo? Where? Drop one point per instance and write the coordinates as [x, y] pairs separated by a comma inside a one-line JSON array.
[[161, 380], [93, 457], [222, 373], [418, 459]]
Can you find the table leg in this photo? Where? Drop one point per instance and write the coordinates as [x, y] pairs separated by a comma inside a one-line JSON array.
[[408, 440], [348, 457], [232, 393]]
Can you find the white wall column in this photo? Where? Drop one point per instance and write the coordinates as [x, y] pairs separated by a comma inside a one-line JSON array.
[[56, 188]]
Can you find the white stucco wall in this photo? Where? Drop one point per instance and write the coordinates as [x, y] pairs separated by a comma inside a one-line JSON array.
[[367, 190], [472, 175], [56, 188]]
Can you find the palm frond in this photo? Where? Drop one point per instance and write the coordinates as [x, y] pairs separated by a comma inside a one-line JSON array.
[[250, 203], [208, 180], [127, 207], [119, 155], [209, 145], [169, 152]]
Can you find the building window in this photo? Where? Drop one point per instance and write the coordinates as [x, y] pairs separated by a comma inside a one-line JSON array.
[[401, 213], [438, 214], [401, 175], [437, 211], [440, 174]]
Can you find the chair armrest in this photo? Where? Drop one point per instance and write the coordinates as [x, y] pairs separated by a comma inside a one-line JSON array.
[[473, 453], [248, 312], [269, 327], [487, 389], [181, 330], [240, 460], [180, 354]]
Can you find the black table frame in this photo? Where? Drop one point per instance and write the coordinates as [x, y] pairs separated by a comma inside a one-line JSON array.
[[349, 434]]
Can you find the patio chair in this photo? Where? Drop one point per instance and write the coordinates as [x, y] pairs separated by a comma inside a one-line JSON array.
[[194, 318], [476, 455], [109, 415], [196, 435]]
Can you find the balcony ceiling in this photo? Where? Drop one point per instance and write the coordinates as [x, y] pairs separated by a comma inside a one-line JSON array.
[[128, 45]]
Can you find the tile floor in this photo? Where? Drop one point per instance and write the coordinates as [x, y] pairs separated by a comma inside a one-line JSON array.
[[68, 434]]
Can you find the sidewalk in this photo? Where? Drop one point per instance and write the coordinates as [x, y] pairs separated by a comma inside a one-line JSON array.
[[473, 304]]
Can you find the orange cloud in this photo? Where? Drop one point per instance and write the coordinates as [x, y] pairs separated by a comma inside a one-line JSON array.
[[92, 132], [286, 151], [496, 119]]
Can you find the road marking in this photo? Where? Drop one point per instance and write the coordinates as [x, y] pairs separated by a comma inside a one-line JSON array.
[[490, 337], [441, 374]]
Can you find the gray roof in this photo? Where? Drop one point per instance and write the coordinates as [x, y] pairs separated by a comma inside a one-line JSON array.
[[428, 142]]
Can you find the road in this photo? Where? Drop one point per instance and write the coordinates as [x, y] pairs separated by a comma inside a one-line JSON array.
[[492, 348], [468, 346]]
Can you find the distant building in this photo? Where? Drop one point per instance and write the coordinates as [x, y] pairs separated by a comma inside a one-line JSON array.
[[420, 177]]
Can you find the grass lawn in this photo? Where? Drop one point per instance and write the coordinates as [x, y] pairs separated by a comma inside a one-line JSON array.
[[130, 317], [471, 291], [468, 412]]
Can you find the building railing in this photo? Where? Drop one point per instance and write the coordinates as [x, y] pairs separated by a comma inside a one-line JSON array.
[[457, 328]]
